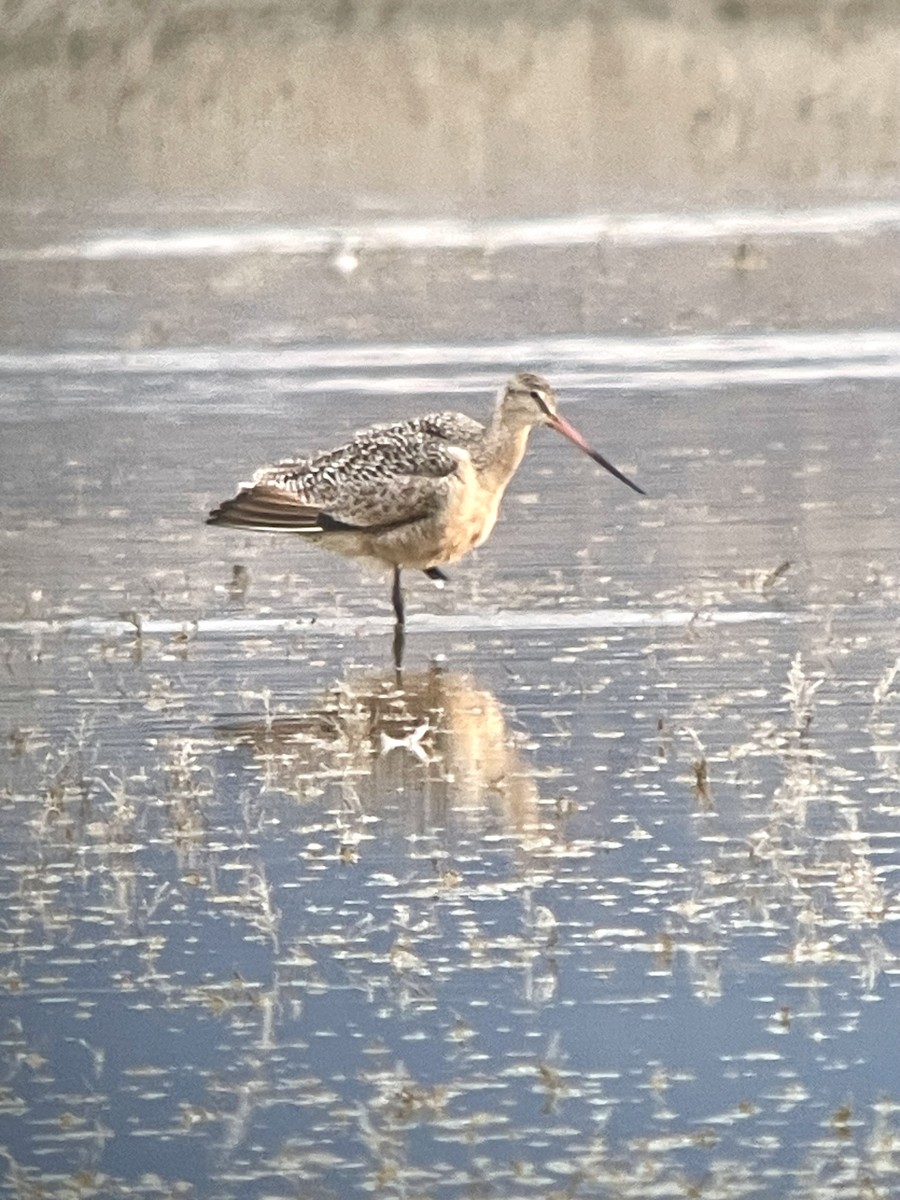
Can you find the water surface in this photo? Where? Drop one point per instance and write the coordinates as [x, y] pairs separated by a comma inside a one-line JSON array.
[[598, 897]]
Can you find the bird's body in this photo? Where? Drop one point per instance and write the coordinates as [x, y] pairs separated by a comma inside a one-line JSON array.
[[421, 493]]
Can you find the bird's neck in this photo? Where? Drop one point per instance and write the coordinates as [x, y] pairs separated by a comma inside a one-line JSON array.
[[503, 450]]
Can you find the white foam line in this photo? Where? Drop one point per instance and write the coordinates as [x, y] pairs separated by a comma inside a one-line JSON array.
[[601, 361], [503, 621], [780, 375], [651, 228]]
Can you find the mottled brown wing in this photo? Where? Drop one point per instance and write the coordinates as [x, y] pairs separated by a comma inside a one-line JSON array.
[[382, 479], [279, 509]]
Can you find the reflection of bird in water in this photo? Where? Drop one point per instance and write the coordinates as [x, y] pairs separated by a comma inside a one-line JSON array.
[[418, 494], [438, 735]]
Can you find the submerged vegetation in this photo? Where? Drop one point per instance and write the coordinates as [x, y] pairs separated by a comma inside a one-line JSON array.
[[426, 912]]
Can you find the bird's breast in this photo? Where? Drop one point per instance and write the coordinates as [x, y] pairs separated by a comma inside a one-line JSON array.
[[466, 504], [473, 505]]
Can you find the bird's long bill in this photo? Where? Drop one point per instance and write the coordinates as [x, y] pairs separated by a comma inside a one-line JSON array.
[[568, 431]]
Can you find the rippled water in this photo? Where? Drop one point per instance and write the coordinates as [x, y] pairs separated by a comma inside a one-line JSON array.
[[597, 898]]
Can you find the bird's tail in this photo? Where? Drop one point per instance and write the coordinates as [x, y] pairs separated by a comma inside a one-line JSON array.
[[269, 510]]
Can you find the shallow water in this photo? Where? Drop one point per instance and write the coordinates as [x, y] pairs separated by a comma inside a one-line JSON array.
[[598, 898]]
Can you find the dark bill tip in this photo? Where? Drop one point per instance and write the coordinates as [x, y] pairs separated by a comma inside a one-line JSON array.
[[569, 431]]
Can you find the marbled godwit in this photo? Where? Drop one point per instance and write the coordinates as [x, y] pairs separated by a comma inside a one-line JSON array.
[[418, 494]]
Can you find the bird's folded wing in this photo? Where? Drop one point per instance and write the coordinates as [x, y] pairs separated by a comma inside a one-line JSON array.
[[384, 478], [267, 508], [273, 508]]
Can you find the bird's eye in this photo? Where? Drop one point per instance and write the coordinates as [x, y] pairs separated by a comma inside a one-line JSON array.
[[540, 400]]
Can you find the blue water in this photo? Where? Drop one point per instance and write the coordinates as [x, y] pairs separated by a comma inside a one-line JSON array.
[[598, 898]]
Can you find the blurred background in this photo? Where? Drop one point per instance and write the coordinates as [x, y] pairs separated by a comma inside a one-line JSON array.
[[732, 155], [329, 108]]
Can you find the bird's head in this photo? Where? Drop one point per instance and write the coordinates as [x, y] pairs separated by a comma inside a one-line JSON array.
[[528, 400]]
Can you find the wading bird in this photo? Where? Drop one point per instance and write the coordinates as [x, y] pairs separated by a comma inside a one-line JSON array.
[[418, 494]]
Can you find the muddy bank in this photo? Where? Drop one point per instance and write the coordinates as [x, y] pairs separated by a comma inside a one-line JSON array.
[[496, 108]]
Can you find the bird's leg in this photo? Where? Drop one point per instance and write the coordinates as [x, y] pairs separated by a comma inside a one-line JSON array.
[[397, 598], [437, 576], [400, 627], [399, 644]]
